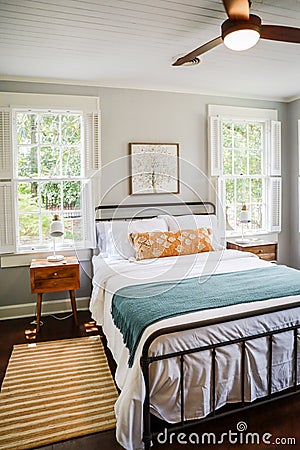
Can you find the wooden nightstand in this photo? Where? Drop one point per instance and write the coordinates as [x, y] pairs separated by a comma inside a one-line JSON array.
[[263, 249], [51, 277]]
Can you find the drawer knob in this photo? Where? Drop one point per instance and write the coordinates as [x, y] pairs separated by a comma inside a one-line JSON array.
[[260, 251], [55, 274]]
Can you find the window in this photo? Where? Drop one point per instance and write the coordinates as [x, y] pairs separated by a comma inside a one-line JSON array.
[[49, 158], [244, 172], [245, 156], [49, 176]]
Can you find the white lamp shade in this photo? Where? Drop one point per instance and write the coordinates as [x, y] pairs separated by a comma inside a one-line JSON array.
[[56, 228], [244, 216]]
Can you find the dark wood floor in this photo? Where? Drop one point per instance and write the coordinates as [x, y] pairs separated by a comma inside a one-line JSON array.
[[281, 420]]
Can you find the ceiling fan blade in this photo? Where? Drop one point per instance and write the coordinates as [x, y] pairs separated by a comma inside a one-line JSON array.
[[280, 33], [237, 9], [198, 51]]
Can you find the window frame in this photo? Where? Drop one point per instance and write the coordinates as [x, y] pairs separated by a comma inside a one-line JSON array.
[[89, 107], [271, 165]]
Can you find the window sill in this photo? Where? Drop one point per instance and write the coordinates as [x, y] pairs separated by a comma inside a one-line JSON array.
[[24, 259]]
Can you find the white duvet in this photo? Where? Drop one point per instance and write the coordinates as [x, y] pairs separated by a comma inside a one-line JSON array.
[[111, 275]]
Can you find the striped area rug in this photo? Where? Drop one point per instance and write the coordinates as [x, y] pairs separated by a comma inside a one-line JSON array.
[[54, 391]]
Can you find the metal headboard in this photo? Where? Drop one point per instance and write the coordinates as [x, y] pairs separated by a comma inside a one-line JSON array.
[[148, 210]]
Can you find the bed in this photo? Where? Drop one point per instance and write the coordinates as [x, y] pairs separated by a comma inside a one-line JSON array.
[[186, 367]]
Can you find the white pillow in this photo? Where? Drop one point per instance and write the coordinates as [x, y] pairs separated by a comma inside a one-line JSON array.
[[194, 221], [113, 236]]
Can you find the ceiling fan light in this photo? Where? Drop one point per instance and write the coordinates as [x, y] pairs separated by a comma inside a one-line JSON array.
[[241, 39], [240, 35]]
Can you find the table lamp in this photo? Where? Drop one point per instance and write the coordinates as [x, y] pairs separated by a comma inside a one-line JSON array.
[[56, 230], [244, 218]]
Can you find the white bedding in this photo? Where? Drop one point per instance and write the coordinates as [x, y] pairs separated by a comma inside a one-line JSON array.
[[111, 275]]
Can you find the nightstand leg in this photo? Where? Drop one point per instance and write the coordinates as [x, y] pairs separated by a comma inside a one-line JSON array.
[[73, 302], [38, 311]]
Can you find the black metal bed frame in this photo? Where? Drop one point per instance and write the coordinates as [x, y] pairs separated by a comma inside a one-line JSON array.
[[148, 210], [146, 360]]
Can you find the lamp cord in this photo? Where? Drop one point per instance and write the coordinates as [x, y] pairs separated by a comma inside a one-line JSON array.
[[34, 322], [60, 318]]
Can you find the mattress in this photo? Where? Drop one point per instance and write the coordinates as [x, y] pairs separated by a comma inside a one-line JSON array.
[[110, 275]]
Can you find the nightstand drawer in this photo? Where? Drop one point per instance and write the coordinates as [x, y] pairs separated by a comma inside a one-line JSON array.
[[59, 284], [55, 272], [268, 256], [260, 250]]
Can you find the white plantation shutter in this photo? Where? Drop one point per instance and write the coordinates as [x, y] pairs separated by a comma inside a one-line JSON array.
[[221, 208], [5, 144], [92, 143], [7, 213], [7, 218], [91, 189], [275, 148], [220, 201], [88, 210], [274, 197], [274, 204], [214, 135]]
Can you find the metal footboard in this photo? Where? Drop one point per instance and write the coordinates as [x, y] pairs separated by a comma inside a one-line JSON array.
[[146, 360]]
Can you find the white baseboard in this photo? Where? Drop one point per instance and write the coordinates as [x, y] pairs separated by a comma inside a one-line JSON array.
[[48, 307]]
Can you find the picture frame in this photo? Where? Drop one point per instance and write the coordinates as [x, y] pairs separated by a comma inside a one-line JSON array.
[[154, 168]]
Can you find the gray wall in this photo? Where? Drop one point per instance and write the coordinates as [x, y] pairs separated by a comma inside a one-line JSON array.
[[130, 115], [292, 195]]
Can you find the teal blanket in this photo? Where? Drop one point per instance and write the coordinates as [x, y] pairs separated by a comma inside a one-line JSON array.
[[136, 307]]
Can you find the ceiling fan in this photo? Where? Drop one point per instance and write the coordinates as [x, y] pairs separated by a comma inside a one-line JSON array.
[[241, 31]]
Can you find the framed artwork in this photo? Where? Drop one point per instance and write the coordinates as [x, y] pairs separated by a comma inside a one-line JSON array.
[[154, 168]]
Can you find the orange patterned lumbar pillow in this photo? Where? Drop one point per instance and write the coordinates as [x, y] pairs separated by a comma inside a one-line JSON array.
[[158, 244]]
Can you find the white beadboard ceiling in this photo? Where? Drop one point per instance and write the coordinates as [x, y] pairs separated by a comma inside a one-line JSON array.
[[131, 43]]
